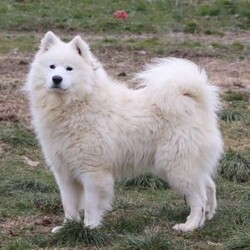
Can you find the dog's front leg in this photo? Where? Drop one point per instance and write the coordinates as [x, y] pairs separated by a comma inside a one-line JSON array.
[[71, 193], [99, 190]]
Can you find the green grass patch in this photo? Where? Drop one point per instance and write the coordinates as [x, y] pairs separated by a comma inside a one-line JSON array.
[[18, 43], [227, 51], [154, 16], [155, 46], [236, 121], [74, 233], [232, 95], [170, 213], [237, 46], [162, 47], [31, 185], [238, 241], [19, 244], [153, 238], [235, 167], [126, 221], [17, 136], [230, 116], [49, 203], [19, 197], [20, 183], [144, 182], [191, 26]]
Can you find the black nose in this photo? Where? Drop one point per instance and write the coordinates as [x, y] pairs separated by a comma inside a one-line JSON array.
[[57, 80]]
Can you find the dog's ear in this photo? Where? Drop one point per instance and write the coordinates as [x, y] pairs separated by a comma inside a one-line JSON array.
[[48, 40], [81, 47]]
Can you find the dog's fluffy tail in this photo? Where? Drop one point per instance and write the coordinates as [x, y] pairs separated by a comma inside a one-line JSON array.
[[175, 83]]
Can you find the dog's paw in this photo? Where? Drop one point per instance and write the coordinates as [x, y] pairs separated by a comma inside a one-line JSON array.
[[56, 229], [210, 211], [184, 227], [210, 214], [92, 223]]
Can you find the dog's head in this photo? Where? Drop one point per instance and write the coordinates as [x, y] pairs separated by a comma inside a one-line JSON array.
[[61, 67]]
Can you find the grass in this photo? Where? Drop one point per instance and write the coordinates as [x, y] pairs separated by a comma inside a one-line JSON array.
[[231, 95], [144, 181], [153, 45], [235, 167], [145, 208], [22, 43], [153, 238], [20, 183], [229, 116], [153, 16], [19, 244], [239, 241], [74, 233]]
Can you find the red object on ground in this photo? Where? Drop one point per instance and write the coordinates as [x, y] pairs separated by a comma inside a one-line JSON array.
[[120, 14]]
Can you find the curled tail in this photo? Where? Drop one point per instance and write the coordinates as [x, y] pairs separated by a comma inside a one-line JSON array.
[[172, 83]]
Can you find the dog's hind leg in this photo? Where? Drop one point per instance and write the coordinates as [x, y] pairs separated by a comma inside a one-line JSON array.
[[99, 190], [211, 198], [197, 202], [192, 187]]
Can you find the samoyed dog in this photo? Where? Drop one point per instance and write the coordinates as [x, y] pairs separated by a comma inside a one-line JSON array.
[[93, 129]]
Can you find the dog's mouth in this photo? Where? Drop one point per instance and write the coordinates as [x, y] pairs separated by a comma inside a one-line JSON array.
[[57, 88]]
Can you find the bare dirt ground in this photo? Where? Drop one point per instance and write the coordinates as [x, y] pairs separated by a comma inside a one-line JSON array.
[[228, 74], [43, 224]]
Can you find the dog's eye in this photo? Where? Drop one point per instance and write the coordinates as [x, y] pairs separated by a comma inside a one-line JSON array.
[[69, 68], [52, 66]]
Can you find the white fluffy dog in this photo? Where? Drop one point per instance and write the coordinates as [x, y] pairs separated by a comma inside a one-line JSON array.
[[93, 129]]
